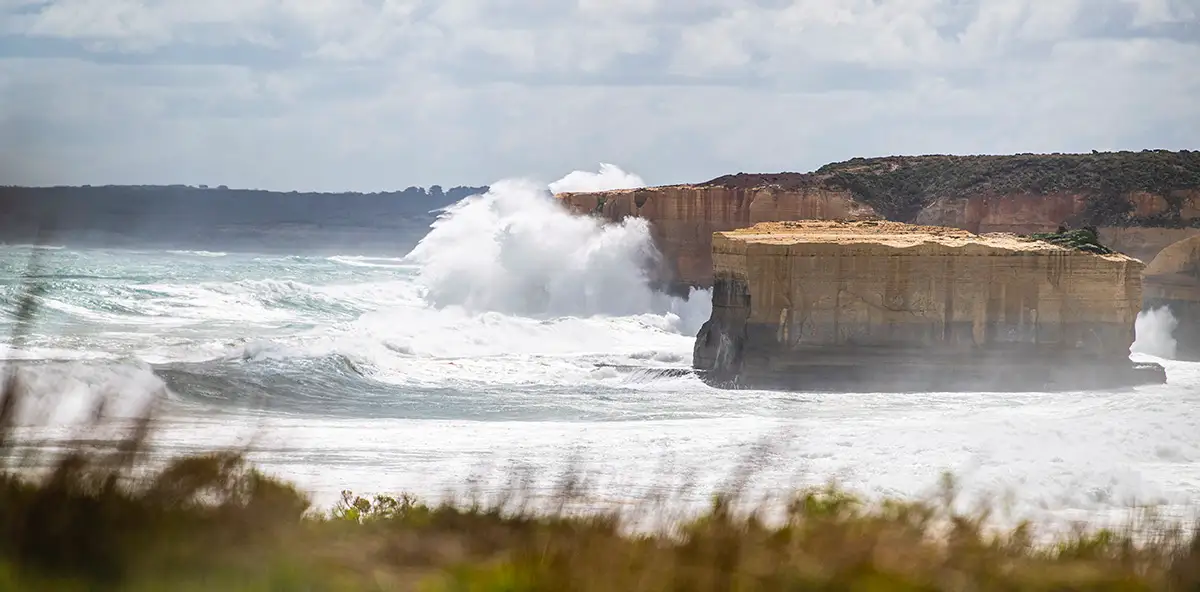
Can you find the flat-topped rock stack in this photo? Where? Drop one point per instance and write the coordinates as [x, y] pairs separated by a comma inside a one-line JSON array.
[[1139, 202], [888, 306]]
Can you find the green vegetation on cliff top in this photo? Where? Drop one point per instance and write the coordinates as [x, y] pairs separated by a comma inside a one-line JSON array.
[[898, 187], [1083, 239]]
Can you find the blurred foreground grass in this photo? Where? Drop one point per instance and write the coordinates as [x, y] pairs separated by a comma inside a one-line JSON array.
[[214, 523], [100, 520]]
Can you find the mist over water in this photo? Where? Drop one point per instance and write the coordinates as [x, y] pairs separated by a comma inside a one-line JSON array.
[[1154, 329]]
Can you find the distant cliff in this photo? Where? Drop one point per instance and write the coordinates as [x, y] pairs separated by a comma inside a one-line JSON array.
[[874, 305], [218, 216], [1139, 201]]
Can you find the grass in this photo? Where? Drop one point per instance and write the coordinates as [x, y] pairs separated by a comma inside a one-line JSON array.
[[1083, 239], [100, 520], [213, 522]]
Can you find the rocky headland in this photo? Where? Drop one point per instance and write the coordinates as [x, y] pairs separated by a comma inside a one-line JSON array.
[[884, 306], [1140, 202]]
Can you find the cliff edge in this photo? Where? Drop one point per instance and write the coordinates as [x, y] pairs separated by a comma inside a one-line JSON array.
[[1140, 202], [885, 306]]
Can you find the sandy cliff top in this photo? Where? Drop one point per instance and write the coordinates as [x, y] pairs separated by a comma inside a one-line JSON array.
[[894, 234]]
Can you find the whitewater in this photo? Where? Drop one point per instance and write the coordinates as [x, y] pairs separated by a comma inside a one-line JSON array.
[[518, 336]]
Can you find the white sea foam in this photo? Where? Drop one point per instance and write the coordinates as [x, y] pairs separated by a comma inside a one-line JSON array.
[[1154, 329], [516, 250], [70, 392], [200, 253], [33, 246], [608, 178], [363, 261]]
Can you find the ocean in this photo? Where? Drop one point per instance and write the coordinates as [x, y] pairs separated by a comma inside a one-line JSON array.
[[517, 337]]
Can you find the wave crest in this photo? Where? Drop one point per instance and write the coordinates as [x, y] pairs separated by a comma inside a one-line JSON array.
[[516, 250], [610, 177], [75, 392]]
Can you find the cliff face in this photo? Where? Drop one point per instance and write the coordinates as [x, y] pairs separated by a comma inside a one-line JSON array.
[[684, 217], [888, 306], [1140, 202]]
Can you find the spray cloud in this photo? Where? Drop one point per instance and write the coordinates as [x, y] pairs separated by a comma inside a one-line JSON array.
[[1153, 333], [610, 177], [516, 250]]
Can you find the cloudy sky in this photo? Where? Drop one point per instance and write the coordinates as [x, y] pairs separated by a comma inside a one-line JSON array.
[[380, 94]]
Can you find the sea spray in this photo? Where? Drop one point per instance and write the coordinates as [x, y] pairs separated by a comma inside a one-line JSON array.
[[1153, 329], [509, 293], [610, 177], [70, 392], [516, 250]]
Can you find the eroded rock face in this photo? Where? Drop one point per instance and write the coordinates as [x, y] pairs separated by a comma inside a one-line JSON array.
[[1018, 213], [684, 217], [1029, 214], [1144, 243], [1140, 202], [881, 306]]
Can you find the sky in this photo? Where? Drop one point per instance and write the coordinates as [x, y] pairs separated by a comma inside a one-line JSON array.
[[367, 95]]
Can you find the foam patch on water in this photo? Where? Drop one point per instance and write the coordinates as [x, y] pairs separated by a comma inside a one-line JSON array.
[[363, 261], [200, 253]]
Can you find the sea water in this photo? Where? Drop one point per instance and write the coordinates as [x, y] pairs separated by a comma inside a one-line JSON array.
[[518, 336]]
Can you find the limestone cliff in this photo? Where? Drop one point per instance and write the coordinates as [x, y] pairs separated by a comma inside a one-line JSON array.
[[684, 217], [1140, 201], [873, 305]]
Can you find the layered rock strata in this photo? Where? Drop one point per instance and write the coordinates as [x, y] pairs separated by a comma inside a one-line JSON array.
[[1139, 201], [884, 306], [683, 218]]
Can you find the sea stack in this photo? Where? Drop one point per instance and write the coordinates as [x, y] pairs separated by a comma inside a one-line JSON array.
[[887, 306], [1139, 202]]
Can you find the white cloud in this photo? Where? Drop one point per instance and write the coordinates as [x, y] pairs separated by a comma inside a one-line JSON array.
[[1152, 12], [373, 94]]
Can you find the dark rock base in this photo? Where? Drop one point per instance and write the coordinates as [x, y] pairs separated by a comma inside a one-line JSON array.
[[732, 353], [935, 377], [729, 359]]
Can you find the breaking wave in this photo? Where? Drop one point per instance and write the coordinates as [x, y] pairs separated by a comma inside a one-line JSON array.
[[507, 292], [516, 250], [610, 177], [200, 253], [1154, 329], [71, 392]]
